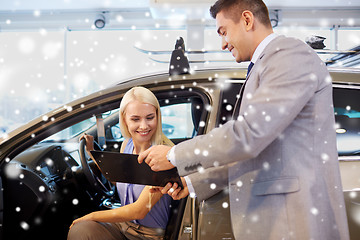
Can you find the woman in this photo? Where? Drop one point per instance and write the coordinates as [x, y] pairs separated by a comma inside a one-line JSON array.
[[143, 214]]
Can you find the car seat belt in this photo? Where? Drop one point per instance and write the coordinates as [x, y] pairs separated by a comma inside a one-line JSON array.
[[100, 130]]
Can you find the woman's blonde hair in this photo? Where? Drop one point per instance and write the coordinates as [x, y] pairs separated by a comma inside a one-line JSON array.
[[143, 95]]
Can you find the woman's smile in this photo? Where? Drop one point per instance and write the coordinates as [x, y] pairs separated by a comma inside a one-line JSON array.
[[143, 133]]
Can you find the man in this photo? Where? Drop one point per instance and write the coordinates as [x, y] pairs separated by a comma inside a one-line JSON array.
[[279, 155]]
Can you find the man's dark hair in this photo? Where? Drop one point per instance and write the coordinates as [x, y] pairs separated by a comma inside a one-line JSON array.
[[234, 9]]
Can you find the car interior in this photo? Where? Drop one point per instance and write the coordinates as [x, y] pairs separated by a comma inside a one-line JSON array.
[[347, 117], [48, 185]]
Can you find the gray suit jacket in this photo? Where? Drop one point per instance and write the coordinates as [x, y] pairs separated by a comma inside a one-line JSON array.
[[280, 161]]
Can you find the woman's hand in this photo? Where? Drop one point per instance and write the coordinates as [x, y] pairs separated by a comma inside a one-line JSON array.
[[154, 189], [175, 191], [89, 140], [84, 218]]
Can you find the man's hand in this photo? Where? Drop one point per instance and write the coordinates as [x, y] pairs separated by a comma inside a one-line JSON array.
[[175, 191], [155, 157]]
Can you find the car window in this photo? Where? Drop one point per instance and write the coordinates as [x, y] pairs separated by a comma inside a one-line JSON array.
[[347, 116], [176, 122], [72, 131], [78, 128]]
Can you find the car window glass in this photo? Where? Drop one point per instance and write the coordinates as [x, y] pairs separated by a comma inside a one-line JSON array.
[[78, 128], [347, 117], [72, 131], [176, 122]]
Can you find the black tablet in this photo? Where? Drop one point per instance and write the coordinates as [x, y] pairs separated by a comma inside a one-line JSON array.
[[123, 167]]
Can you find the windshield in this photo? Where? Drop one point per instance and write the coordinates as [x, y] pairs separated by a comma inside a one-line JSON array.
[[73, 131], [78, 128]]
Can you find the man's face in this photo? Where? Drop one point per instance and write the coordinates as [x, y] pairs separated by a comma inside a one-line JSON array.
[[233, 36]]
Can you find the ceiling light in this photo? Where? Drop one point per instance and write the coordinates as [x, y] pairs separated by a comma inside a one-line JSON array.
[[340, 130]]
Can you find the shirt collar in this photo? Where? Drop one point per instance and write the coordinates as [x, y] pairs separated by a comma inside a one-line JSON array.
[[260, 48]]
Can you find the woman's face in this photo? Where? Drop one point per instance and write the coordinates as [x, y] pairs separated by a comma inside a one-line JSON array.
[[141, 120]]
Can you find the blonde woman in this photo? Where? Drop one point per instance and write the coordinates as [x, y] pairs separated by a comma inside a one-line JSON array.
[[143, 214]]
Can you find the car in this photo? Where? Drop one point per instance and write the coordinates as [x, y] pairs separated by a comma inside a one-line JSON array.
[[47, 179]]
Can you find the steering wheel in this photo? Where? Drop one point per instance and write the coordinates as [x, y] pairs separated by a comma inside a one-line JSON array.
[[95, 178]]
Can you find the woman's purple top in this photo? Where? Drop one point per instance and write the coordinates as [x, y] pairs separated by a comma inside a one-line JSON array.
[[129, 193]]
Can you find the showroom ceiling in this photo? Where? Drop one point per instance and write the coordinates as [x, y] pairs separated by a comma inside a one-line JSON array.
[[25, 15]]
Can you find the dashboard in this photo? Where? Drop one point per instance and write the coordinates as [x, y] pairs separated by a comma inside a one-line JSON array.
[[40, 182]]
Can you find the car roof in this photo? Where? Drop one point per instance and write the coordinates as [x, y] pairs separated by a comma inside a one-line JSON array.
[[341, 75], [345, 75]]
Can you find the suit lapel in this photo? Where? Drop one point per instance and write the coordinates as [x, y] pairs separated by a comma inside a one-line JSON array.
[[242, 89], [241, 93], [238, 101]]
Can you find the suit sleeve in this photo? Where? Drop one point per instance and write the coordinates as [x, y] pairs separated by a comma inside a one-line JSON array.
[[281, 94]]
